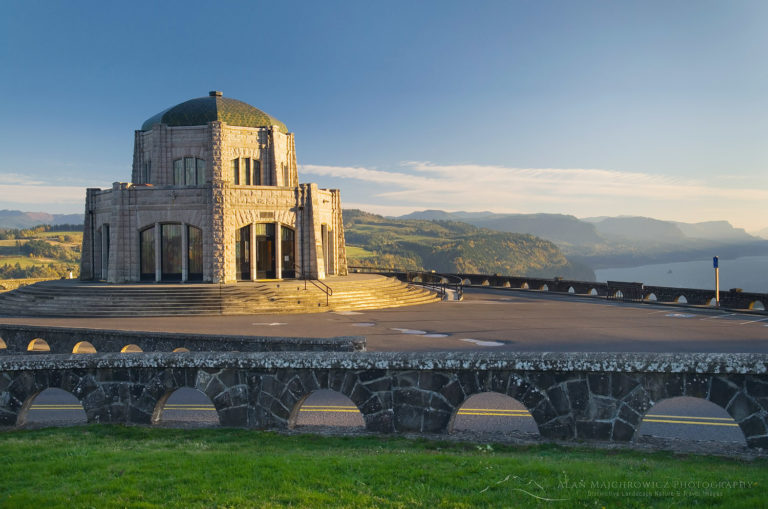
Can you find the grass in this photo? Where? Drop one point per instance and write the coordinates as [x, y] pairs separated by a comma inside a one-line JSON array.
[[25, 261], [113, 466], [358, 252]]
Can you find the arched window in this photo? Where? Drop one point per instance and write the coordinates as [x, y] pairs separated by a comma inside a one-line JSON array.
[[189, 171]]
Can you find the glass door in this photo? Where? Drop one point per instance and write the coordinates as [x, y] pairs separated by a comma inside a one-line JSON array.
[[265, 251], [243, 253]]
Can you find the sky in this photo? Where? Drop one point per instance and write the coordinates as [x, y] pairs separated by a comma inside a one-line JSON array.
[[589, 108]]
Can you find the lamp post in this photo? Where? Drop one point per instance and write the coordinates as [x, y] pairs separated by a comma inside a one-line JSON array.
[[715, 264]]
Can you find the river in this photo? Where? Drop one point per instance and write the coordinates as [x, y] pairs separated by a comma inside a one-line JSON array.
[[749, 273]]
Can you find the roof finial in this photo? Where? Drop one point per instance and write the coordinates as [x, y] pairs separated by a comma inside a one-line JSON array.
[[215, 93]]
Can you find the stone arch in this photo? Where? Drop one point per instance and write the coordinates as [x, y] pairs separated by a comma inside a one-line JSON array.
[[131, 348], [506, 284], [38, 345], [315, 402], [24, 387], [281, 395], [524, 286], [571, 289], [664, 412], [592, 291], [67, 408], [83, 347], [195, 400], [466, 282], [485, 283], [3, 346], [507, 413], [712, 302], [651, 297], [680, 299], [757, 305], [550, 422], [222, 387], [544, 287], [181, 349], [618, 294]]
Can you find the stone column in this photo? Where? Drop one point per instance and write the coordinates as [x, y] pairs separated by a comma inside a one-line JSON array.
[[218, 226]]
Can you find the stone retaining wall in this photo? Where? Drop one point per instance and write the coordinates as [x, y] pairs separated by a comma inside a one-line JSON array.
[[17, 339], [571, 396], [612, 290]]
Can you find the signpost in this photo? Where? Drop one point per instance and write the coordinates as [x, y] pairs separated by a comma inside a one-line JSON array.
[[715, 264]]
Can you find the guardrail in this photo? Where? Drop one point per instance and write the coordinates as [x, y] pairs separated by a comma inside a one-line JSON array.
[[612, 290], [327, 290], [441, 282]]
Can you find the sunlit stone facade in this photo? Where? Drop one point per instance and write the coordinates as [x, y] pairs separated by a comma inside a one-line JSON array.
[[214, 197]]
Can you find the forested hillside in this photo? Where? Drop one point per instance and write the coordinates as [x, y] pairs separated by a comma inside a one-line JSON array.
[[451, 246], [40, 252]]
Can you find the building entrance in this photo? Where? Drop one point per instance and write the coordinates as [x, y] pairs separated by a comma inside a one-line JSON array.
[[243, 253], [265, 251]]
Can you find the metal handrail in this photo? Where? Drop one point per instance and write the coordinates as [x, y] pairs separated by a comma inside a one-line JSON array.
[[327, 290], [426, 278]]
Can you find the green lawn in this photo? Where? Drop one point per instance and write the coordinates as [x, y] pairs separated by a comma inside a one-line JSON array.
[[358, 252], [24, 261], [112, 466]]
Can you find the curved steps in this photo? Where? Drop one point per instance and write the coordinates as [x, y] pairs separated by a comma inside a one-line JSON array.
[[75, 298]]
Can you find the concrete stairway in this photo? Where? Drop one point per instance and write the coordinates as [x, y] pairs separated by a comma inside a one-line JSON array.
[[75, 298]]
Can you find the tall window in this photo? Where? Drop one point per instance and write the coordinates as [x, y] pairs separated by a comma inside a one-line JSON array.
[[236, 171], [147, 254], [256, 172], [170, 253], [195, 253], [189, 171], [251, 171], [146, 173]]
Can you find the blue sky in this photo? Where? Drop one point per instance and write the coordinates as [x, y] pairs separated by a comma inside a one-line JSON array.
[[588, 108]]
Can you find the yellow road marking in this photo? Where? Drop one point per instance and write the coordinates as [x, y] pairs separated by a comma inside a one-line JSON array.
[[484, 412], [669, 421], [687, 417]]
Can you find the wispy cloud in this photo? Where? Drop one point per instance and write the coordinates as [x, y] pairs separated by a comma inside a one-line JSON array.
[[578, 191]]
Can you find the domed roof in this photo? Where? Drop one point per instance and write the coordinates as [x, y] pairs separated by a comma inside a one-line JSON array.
[[202, 110]]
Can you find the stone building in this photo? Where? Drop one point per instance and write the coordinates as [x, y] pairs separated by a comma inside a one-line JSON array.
[[214, 196]]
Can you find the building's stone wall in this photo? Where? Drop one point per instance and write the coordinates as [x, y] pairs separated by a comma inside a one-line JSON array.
[[15, 340], [571, 396], [218, 208]]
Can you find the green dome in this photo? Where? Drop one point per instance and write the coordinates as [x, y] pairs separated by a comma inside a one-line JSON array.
[[202, 110]]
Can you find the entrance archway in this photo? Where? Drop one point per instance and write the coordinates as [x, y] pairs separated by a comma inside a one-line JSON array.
[[265, 250]]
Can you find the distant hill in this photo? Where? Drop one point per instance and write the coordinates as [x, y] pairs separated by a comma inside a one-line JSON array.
[[452, 246], [19, 219], [623, 241]]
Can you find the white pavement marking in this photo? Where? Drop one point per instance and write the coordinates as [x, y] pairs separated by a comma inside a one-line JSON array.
[[754, 321], [409, 331], [680, 315], [363, 324], [347, 313], [269, 323], [716, 317], [481, 343], [435, 335]]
